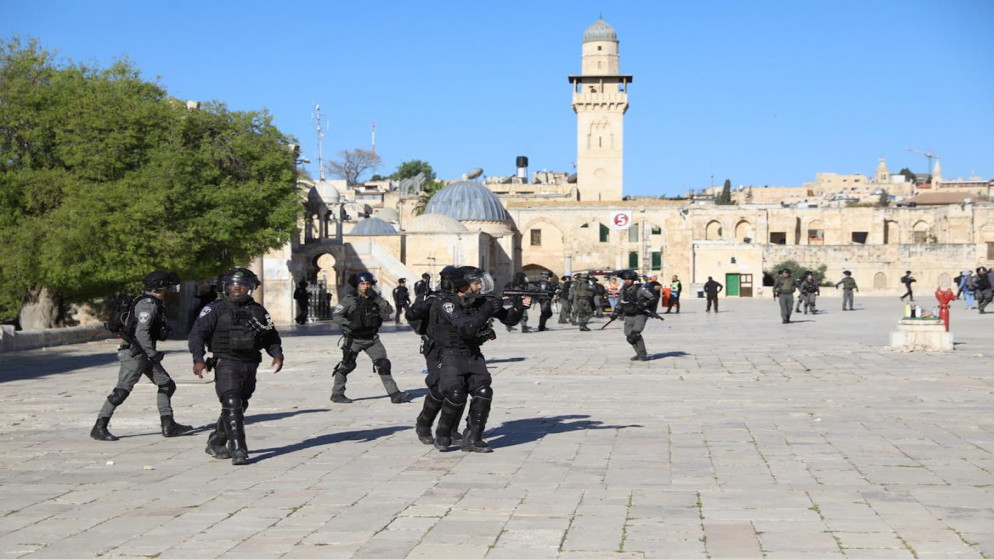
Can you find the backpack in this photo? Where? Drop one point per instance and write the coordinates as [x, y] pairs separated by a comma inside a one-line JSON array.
[[122, 308]]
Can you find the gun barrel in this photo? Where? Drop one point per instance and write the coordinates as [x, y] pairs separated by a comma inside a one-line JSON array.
[[522, 293]]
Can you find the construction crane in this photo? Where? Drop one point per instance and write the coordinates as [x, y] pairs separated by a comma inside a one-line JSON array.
[[927, 154]]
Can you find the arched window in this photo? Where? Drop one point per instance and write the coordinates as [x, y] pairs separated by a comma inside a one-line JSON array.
[[713, 231], [879, 281]]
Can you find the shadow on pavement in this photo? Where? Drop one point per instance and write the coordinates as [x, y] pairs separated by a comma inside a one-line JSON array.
[[508, 360], [521, 431], [322, 440], [655, 356], [23, 366], [250, 419]]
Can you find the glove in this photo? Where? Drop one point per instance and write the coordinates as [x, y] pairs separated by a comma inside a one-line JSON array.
[[615, 314], [157, 358]]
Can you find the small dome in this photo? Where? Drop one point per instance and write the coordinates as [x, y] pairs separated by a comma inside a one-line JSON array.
[[600, 31], [373, 226], [434, 223], [323, 192], [387, 214], [467, 200]]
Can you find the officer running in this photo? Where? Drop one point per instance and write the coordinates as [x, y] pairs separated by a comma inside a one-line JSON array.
[[547, 284], [459, 325], [361, 313], [519, 283], [401, 298], [563, 292], [633, 302], [419, 314], [146, 326], [235, 328]]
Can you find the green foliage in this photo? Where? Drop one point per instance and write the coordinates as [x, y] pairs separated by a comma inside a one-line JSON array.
[[425, 197], [797, 271], [725, 198], [884, 199], [908, 175], [104, 178], [410, 169]]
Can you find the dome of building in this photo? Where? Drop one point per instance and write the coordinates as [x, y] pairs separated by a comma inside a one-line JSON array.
[[434, 223], [323, 192], [373, 226], [387, 214], [467, 201], [600, 31]]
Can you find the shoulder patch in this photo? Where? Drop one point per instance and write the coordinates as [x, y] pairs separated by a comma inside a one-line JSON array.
[[338, 308], [448, 307], [204, 312], [144, 317]]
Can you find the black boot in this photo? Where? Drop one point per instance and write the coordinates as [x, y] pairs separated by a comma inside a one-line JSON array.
[[100, 432], [171, 429], [217, 441], [476, 422], [235, 426], [429, 411], [400, 396], [448, 419]]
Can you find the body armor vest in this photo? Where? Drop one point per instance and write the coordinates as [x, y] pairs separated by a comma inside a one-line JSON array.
[[233, 334], [158, 327], [365, 319]]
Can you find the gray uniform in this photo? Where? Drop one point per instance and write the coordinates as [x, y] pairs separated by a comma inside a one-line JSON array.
[[146, 316], [360, 317], [583, 292], [848, 285], [784, 288], [632, 302]]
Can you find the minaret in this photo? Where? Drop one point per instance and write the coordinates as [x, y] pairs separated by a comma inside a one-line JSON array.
[[882, 175], [600, 99]]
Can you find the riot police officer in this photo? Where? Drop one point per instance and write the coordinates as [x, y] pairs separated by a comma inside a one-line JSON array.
[[547, 284], [519, 283], [583, 304], [235, 328], [361, 313], [146, 326], [633, 302], [419, 313], [783, 290], [459, 325]]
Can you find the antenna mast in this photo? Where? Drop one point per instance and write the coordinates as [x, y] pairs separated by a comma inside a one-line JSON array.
[[317, 109], [374, 138]]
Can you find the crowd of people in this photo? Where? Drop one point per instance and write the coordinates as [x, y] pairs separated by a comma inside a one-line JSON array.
[[454, 319]]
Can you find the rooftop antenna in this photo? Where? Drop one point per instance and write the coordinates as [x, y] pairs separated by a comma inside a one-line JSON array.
[[374, 138], [317, 109]]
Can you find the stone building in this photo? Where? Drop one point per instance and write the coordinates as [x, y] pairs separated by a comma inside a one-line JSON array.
[[562, 225]]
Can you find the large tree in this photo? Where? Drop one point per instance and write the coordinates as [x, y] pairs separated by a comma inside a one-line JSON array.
[[725, 197], [410, 169], [353, 164], [104, 178]]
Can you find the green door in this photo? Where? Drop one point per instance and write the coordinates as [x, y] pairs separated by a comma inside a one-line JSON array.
[[731, 285]]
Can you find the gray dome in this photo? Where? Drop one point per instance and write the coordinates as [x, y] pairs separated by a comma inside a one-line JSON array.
[[323, 192], [467, 201], [373, 226], [434, 223], [387, 214], [600, 31]]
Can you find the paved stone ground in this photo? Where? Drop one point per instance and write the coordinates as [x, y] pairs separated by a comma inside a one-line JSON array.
[[743, 437]]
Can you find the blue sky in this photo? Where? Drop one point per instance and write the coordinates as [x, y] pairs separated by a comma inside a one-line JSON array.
[[761, 93]]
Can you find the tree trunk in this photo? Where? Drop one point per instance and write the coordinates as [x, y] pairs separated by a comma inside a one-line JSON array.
[[41, 310]]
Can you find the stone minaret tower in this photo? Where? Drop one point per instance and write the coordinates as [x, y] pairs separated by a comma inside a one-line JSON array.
[[600, 99]]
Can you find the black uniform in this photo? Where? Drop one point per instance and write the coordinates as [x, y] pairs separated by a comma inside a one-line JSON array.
[[545, 284], [459, 326], [520, 283], [235, 333], [401, 300], [565, 307], [418, 314], [633, 302]]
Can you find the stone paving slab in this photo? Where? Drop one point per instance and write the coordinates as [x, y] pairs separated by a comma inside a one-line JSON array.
[[743, 437]]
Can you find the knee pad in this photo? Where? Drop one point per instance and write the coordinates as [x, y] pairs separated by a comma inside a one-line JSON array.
[[434, 394], [483, 392], [118, 396], [168, 389], [345, 368], [382, 366], [231, 400], [457, 396], [634, 338]]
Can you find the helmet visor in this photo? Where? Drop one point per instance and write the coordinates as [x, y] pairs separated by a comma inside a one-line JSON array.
[[485, 280]]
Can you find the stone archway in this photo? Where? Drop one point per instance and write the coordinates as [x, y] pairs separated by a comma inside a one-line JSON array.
[[712, 232], [743, 231], [879, 281]]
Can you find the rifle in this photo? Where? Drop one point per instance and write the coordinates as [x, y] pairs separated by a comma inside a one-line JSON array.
[[524, 293], [646, 312], [156, 365]]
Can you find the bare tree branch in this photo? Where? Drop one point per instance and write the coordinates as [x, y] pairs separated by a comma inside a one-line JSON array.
[[352, 164]]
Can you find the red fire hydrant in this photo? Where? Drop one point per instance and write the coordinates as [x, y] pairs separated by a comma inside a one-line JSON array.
[[944, 298]]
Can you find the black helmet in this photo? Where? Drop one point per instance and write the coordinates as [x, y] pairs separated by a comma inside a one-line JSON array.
[[581, 276], [520, 277], [161, 279], [465, 275], [784, 271], [239, 276], [425, 276], [446, 275], [564, 278], [628, 275], [361, 277], [981, 270], [402, 280]]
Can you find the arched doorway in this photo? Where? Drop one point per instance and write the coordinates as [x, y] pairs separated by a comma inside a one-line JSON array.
[[322, 291]]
